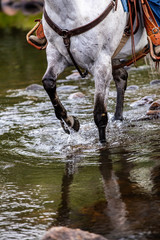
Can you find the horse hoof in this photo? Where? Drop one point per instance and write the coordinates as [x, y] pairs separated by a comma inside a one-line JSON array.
[[76, 124], [117, 118], [103, 141]]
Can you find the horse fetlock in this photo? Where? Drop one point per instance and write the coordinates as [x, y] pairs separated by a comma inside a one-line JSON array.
[[101, 119], [60, 111], [118, 117]]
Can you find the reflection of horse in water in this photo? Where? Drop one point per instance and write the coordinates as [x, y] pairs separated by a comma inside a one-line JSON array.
[[90, 42], [124, 209]]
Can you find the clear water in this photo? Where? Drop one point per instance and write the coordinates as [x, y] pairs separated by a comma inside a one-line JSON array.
[[49, 178]]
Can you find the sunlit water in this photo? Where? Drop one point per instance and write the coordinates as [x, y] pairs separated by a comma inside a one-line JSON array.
[[49, 178]]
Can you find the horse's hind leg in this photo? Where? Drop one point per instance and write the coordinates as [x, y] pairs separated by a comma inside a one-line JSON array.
[[120, 77], [55, 67]]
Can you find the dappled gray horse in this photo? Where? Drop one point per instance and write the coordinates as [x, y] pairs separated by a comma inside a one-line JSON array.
[[92, 49]]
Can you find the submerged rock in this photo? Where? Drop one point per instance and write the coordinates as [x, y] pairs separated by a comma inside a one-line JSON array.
[[132, 87], [142, 101], [34, 87], [156, 81], [6, 6], [76, 95], [66, 88], [64, 233], [154, 108], [10, 7], [74, 76], [32, 7], [153, 112]]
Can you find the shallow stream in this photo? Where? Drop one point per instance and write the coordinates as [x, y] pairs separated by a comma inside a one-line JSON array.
[[49, 178]]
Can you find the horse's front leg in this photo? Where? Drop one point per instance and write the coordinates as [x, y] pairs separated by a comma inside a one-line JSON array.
[[120, 77], [102, 75], [56, 64]]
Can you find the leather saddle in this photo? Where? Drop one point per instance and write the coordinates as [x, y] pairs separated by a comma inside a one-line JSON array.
[[140, 11]]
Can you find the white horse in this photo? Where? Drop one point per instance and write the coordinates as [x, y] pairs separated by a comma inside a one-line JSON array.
[[93, 50]]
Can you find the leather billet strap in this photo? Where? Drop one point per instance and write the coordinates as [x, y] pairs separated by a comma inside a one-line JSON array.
[[141, 54], [67, 34]]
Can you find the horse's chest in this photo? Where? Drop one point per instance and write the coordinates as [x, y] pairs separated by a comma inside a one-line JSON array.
[[82, 48]]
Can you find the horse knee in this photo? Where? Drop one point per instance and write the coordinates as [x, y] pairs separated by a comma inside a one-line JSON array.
[[120, 77], [49, 84]]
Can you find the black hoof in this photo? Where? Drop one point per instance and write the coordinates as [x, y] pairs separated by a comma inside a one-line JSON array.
[[118, 118], [103, 141]]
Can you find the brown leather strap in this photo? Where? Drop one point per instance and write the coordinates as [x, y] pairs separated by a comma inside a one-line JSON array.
[[149, 19], [153, 55], [79, 30], [139, 55], [136, 17], [94, 23], [141, 16], [133, 14]]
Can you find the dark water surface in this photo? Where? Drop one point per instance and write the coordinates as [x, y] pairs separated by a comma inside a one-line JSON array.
[[48, 178]]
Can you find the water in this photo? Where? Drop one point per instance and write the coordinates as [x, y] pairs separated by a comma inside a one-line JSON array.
[[49, 178]]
